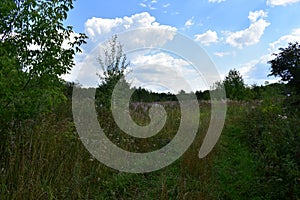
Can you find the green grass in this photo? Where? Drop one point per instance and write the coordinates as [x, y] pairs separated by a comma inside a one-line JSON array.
[[236, 168], [46, 160]]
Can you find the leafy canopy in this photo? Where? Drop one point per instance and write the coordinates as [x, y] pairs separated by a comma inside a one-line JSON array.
[[234, 85], [286, 65], [34, 55]]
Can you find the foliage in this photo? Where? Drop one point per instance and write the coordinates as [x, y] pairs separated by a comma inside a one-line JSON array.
[[202, 95], [269, 131], [234, 85], [33, 57], [143, 95], [286, 65], [113, 66]]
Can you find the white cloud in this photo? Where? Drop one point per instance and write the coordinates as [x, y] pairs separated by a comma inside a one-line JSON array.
[[253, 16], [151, 7], [189, 23], [207, 38], [101, 28], [159, 59], [281, 2], [256, 71], [284, 40], [222, 54], [251, 35], [143, 5], [147, 33], [166, 5], [149, 4], [215, 1], [162, 69], [246, 68]]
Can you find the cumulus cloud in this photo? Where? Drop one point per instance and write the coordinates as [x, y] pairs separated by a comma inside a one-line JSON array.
[[162, 69], [100, 29], [256, 71], [189, 23], [251, 35], [284, 40], [207, 38], [281, 2], [248, 67], [159, 59], [147, 33], [95, 27], [215, 1], [253, 16]]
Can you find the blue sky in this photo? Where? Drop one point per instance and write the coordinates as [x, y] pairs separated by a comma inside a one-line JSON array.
[[239, 34]]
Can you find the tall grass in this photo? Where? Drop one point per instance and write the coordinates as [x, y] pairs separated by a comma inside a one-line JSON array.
[[46, 160]]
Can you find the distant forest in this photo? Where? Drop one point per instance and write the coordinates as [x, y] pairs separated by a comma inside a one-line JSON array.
[[254, 92]]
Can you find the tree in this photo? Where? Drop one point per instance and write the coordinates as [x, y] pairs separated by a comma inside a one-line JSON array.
[[113, 63], [32, 56], [203, 95], [234, 85], [287, 65]]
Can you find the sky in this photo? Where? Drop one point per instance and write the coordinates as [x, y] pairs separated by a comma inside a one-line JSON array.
[[238, 34]]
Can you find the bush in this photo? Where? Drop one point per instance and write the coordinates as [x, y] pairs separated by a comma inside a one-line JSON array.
[[271, 131]]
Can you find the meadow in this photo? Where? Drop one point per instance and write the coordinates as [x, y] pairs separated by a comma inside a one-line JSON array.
[[253, 159]]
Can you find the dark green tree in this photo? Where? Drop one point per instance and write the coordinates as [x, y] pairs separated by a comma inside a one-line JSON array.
[[234, 85], [113, 63], [203, 95], [32, 56], [286, 65]]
